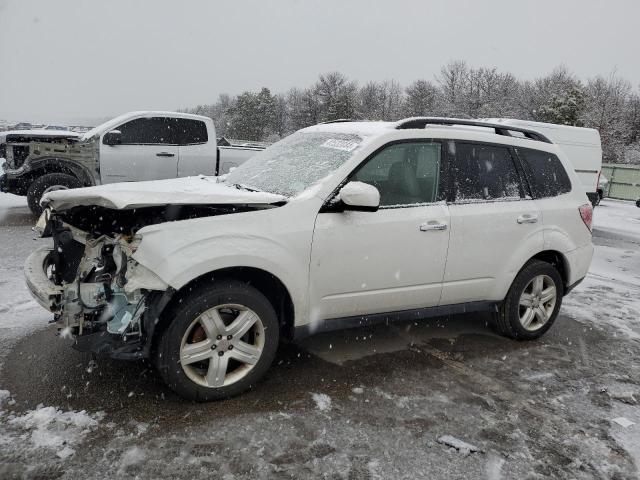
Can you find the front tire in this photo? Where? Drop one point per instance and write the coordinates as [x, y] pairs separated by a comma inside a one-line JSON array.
[[220, 341], [532, 303], [47, 183]]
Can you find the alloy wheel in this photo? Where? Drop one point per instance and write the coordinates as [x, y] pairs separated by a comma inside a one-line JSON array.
[[222, 345], [537, 302]]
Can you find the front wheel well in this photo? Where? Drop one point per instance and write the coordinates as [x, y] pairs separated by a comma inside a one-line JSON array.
[[47, 169], [47, 165], [268, 284]]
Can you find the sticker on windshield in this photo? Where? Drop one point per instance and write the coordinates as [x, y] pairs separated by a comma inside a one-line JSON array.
[[345, 145]]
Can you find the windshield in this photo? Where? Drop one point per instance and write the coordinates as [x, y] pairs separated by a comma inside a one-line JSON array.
[[295, 163]]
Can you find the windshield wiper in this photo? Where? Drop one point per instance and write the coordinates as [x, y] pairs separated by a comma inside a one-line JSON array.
[[241, 186]]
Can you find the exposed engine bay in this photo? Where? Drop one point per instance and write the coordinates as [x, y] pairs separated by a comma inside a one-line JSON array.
[[98, 293]]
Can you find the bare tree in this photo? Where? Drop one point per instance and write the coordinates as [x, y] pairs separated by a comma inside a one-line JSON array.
[[337, 96], [452, 80], [422, 99], [606, 104]]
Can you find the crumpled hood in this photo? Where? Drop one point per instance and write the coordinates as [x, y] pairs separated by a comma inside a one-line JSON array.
[[199, 190]]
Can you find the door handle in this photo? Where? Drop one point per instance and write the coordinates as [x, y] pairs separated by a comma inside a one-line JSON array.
[[528, 218], [432, 225], [165, 154]]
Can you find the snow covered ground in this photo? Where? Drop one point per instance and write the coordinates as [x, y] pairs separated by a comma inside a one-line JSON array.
[[611, 292], [407, 401], [19, 313]]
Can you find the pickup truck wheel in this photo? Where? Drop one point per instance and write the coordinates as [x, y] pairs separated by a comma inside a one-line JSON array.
[[220, 341], [47, 183], [532, 303]]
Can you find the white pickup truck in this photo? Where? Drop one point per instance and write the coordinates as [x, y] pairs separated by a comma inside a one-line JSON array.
[[133, 147]]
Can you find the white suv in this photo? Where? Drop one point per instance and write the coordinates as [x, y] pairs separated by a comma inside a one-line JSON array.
[[338, 225]]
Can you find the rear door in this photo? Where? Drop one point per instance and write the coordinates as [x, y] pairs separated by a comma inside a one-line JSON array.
[[392, 259], [495, 225], [149, 151], [197, 155], [552, 189]]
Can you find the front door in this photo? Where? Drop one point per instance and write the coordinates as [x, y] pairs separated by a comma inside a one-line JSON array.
[[149, 151], [392, 259]]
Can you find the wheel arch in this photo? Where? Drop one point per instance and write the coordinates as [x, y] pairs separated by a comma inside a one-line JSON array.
[[265, 282], [554, 257], [46, 165], [558, 261]]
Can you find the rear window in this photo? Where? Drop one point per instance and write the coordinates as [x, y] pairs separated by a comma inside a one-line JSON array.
[[190, 132], [545, 172]]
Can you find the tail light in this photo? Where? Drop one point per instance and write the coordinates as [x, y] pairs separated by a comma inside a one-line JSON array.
[[586, 213]]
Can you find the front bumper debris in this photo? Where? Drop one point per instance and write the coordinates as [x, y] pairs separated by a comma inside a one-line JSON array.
[[97, 292]]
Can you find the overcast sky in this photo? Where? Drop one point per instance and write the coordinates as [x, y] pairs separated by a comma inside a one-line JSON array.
[[74, 60]]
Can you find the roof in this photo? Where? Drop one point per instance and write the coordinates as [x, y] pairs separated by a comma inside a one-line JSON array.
[[364, 128], [376, 128]]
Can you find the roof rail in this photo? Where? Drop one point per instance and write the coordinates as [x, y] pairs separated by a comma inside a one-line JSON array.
[[422, 122], [339, 120]]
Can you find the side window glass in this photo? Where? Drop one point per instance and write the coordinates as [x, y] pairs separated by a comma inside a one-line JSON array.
[[191, 132], [405, 173], [149, 131], [545, 172], [485, 172]]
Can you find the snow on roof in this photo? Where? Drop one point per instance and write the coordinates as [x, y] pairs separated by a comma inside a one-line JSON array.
[[363, 128], [376, 128]]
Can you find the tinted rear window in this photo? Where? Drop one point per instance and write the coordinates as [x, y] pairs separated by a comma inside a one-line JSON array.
[[545, 172], [191, 131]]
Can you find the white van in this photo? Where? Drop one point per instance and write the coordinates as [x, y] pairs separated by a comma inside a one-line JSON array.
[[581, 145]]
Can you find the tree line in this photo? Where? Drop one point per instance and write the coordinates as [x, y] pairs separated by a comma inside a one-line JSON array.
[[608, 103]]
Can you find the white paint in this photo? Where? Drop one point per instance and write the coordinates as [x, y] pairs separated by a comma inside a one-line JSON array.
[[177, 191]]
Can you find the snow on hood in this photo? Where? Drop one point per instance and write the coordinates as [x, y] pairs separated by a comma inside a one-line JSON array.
[[176, 191]]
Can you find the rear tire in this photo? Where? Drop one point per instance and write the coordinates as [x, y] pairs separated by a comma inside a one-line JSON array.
[[208, 350], [532, 303], [48, 182]]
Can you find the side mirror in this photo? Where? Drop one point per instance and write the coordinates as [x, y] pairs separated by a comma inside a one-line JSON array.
[[360, 196], [112, 138]]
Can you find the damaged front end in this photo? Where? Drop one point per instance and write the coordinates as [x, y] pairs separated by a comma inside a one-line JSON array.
[[97, 292]]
